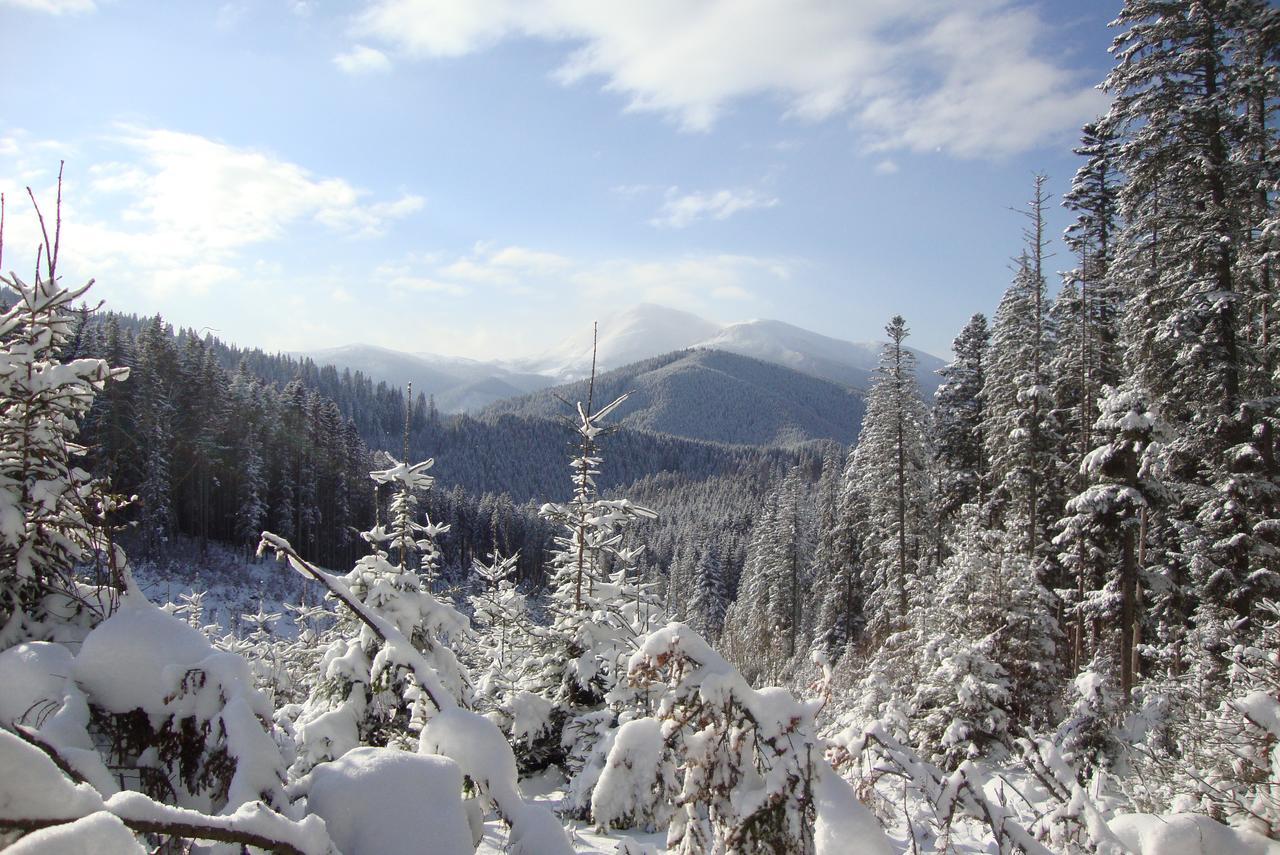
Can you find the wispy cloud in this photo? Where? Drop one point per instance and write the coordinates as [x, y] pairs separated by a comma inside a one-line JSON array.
[[969, 77], [683, 209], [363, 59], [53, 7], [169, 209], [692, 281]]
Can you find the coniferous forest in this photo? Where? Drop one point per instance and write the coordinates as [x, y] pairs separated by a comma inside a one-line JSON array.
[[1037, 611]]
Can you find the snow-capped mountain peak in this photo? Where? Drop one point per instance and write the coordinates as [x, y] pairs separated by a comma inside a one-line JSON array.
[[640, 332]]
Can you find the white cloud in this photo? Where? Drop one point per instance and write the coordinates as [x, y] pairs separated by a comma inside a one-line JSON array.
[[692, 281], [363, 59], [406, 277], [183, 209], [680, 210], [886, 167], [53, 7], [966, 76]]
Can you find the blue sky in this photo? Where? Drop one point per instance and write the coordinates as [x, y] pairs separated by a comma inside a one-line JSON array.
[[483, 177]]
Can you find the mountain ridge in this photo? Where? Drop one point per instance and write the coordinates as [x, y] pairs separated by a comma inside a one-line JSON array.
[[634, 335]]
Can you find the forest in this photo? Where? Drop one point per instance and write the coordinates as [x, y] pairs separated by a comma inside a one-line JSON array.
[[1037, 613]]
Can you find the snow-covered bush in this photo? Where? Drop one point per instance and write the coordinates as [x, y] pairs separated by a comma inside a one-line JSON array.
[[468, 738], [383, 801], [753, 764], [363, 696]]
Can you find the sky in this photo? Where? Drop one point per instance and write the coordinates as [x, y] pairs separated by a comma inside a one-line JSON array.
[[482, 178]]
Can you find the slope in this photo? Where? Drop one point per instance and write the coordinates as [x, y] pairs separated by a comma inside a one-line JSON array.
[[846, 362], [716, 396]]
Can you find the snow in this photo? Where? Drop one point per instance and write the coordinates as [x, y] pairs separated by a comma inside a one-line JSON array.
[[136, 657], [844, 823], [31, 786], [482, 752], [98, 833], [846, 362], [531, 716], [637, 333], [380, 801], [1262, 709], [625, 792], [33, 675], [1187, 834]]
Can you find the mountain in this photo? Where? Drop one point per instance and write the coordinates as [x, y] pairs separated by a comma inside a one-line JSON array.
[[847, 362], [647, 330], [712, 395], [641, 332], [457, 384]]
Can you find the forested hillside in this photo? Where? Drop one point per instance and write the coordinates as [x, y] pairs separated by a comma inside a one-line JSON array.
[[716, 396]]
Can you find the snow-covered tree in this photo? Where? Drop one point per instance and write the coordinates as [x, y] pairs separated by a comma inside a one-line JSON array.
[[51, 510], [1019, 430], [1100, 541], [888, 476], [754, 776], [763, 627], [957, 422], [988, 644], [364, 699], [598, 608]]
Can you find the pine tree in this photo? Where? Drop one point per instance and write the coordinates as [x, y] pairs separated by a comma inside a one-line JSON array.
[[154, 427], [957, 420], [1192, 257], [1101, 536], [365, 697], [839, 618], [1087, 310], [598, 608], [1019, 429], [710, 594], [51, 511], [890, 480]]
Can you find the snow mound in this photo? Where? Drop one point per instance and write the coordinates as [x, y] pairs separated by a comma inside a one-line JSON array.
[[631, 777], [31, 786], [98, 833], [33, 675], [844, 823], [1187, 834], [136, 657], [380, 801], [474, 743], [480, 749]]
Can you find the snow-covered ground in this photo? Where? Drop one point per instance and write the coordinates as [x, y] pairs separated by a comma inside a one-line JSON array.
[[234, 583]]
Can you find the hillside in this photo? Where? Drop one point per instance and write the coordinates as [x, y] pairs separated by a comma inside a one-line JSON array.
[[458, 385], [715, 396], [849, 363]]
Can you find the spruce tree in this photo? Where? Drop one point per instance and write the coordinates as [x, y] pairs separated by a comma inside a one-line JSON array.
[[890, 479], [957, 420]]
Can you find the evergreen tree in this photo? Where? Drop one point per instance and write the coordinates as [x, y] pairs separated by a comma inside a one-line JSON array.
[[1019, 430], [366, 696], [51, 512], [957, 420], [889, 479], [1101, 536]]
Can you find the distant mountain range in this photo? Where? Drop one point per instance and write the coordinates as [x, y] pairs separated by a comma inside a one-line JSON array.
[[711, 395], [458, 385], [640, 333]]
